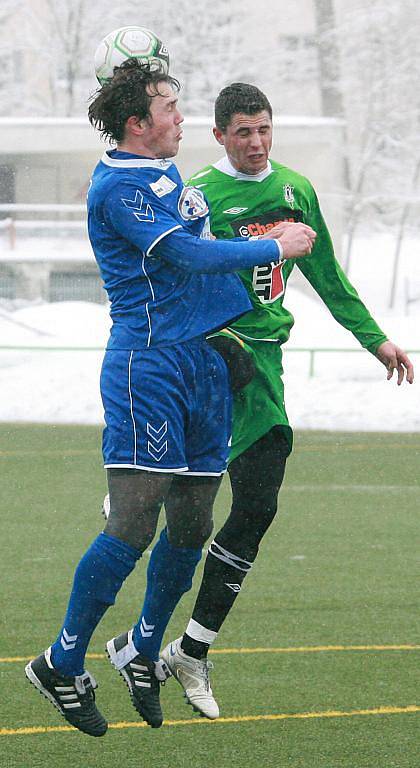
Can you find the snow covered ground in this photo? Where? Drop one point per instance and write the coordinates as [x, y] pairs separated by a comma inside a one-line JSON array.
[[348, 390]]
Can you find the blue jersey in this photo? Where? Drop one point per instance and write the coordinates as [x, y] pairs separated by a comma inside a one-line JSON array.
[[165, 284]]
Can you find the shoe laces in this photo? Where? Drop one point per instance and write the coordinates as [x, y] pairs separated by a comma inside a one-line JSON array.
[[205, 666], [162, 671], [85, 683]]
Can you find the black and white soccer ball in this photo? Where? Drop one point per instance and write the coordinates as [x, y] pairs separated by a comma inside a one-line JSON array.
[[130, 42]]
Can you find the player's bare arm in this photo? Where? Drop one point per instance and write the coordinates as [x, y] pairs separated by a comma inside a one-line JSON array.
[[395, 359]]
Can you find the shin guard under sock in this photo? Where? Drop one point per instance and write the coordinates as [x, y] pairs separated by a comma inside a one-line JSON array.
[[169, 575], [224, 573], [97, 580]]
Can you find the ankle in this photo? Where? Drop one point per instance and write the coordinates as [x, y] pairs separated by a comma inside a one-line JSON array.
[[195, 648]]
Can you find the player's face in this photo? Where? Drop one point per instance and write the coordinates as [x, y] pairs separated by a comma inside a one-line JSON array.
[[162, 131], [247, 140]]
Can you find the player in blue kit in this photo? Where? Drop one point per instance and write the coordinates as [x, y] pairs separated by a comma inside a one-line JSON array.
[[165, 390]]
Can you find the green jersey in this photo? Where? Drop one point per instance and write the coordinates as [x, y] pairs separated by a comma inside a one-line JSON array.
[[242, 207], [247, 206]]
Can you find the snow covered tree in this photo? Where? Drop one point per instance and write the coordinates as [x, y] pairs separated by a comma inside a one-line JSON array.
[[328, 59], [380, 67], [11, 57], [72, 28], [61, 36], [204, 46]]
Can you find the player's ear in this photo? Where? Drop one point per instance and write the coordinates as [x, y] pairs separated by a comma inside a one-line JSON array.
[[134, 125], [218, 135]]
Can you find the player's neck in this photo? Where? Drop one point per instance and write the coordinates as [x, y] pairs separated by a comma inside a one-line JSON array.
[[135, 148], [226, 166]]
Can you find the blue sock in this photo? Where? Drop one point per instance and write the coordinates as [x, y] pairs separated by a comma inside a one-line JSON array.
[[97, 580], [169, 575]]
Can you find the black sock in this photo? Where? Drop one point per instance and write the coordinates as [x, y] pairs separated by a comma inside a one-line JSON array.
[[224, 573], [256, 476], [195, 648]]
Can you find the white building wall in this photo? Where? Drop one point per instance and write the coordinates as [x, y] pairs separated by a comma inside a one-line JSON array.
[[53, 158]]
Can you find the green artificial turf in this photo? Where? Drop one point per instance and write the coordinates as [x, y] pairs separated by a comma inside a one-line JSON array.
[[335, 577]]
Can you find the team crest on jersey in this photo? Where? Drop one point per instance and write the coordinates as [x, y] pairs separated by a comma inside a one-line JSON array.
[[192, 204], [288, 191]]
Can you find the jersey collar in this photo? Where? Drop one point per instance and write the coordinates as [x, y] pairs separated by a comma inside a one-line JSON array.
[[133, 161], [225, 166]]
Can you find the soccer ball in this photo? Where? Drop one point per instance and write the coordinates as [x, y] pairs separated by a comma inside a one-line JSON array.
[[130, 42]]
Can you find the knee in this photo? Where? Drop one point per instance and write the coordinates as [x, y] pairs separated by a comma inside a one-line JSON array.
[[255, 515], [203, 534], [134, 535], [242, 533]]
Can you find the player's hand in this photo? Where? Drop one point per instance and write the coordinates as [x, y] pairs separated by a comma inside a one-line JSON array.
[[297, 240], [277, 231], [239, 362], [395, 359]]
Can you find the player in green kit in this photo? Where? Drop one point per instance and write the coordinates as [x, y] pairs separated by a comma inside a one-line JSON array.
[[252, 196]]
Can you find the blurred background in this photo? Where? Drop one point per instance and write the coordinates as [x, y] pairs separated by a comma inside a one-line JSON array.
[[342, 76]]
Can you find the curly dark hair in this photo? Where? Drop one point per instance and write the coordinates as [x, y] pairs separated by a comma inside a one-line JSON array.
[[130, 92], [239, 97]]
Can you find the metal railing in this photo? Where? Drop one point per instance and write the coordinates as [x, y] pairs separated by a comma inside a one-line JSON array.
[[310, 351], [13, 225]]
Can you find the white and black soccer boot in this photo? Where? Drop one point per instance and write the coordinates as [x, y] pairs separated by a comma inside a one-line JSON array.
[[74, 697], [193, 675], [142, 675]]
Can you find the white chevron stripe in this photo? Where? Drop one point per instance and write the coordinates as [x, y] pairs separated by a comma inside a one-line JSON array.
[[69, 638], [145, 625], [157, 434], [157, 453], [67, 646]]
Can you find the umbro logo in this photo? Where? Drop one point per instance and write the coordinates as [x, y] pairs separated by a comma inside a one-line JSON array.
[[233, 587], [235, 211]]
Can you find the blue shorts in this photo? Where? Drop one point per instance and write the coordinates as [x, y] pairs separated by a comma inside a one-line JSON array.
[[167, 409]]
